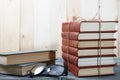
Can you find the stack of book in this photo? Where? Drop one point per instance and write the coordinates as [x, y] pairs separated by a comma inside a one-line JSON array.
[[88, 47], [18, 63]]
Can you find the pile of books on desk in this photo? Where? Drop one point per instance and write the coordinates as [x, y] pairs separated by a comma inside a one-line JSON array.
[[88, 47], [18, 63]]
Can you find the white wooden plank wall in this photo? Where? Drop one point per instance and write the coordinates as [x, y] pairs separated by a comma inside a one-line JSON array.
[[26, 25], [42, 24], [49, 15], [36, 24], [57, 16], [9, 25]]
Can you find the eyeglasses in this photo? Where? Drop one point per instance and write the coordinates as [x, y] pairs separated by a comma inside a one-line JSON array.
[[51, 71]]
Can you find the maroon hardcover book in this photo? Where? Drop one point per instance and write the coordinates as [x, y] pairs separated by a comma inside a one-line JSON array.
[[84, 52], [90, 71], [89, 43], [89, 61], [88, 36], [87, 26]]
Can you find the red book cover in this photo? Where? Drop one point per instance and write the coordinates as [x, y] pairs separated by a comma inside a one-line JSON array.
[[65, 27], [72, 27]]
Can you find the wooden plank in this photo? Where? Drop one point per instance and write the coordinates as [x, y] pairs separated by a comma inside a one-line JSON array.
[[26, 25], [9, 25], [42, 24]]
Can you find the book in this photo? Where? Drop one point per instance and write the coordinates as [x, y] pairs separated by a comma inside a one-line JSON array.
[[89, 61], [89, 43], [83, 52], [21, 69], [90, 71], [88, 47], [88, 36], [88, 26], [11, 58]]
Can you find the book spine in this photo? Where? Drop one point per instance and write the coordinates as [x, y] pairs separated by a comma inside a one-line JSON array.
[[65, 27], [72, 43], [72, 27], [72, 51], [70, 58], [72, 35], [72, 68]]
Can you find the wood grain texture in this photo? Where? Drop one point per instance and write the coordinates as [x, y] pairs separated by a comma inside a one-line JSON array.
[[26, 25], [9, 25]]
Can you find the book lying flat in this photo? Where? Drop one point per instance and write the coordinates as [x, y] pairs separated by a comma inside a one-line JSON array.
[[11, 58], [21, 69], [88, 26], [88, 61], [83, 52], [88, 36], [92, 43], [91, 71]]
